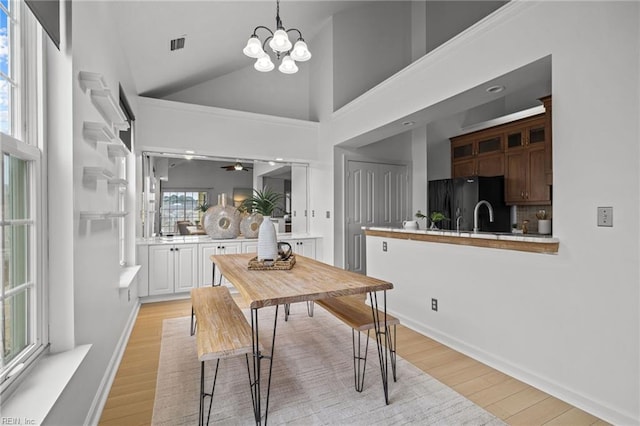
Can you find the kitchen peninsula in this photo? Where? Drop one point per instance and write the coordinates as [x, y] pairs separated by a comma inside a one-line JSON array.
[[534, 243]]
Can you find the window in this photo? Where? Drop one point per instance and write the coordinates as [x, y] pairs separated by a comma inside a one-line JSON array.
[[22, 307], [7, 67], [179, 206]]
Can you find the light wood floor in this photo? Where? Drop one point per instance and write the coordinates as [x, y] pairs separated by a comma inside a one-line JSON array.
[[130, 400]]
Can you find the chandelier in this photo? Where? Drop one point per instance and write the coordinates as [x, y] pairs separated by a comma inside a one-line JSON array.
[[280, 44]]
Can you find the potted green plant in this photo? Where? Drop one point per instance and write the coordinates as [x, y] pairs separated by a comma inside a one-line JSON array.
[[263, 202], [435, 217], [201, 209]]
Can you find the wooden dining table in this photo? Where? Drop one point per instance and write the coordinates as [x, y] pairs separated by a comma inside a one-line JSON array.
[[307, 281]]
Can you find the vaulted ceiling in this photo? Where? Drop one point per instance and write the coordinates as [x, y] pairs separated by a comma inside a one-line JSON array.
[[215, 33]]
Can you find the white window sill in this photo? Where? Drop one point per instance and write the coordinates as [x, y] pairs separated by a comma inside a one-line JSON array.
[[37, 393], [127, 275]]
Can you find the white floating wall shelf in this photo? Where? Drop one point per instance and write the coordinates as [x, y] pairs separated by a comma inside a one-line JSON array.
[[92, 81], [117, 149], [97, 173], [118, 182], [107, 104], [94, 215], [98, 132]]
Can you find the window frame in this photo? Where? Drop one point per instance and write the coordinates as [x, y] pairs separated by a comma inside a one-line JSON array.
[[27, 143]]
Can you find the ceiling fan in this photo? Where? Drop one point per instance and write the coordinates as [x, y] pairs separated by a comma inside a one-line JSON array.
[[236, 167]]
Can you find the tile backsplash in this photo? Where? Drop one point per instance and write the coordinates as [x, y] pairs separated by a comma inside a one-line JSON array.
[[529, 213]]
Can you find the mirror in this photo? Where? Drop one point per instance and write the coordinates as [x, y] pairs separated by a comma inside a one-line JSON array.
[[179, 188]]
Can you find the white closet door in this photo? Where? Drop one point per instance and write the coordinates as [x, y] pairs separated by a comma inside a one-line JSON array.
[[376, 195]]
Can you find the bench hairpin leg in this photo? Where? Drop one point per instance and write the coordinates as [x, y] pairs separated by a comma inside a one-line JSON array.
[[192, 330], [287, 309], [203, 394], [310, 306], [391, 344], [213, 388], [359, 361]]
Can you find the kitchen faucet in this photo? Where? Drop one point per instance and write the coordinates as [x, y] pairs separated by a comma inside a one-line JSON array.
[[475, 214], [458, 223]]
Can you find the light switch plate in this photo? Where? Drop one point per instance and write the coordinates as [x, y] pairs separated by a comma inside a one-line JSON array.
[[605, 216]]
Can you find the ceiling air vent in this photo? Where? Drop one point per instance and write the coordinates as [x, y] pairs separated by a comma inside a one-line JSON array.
[[177, 43]]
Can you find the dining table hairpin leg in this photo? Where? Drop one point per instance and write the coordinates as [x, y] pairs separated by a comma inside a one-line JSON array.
[[258, 356]]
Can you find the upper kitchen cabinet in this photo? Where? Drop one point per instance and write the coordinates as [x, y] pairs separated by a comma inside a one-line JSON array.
[[519, 150], [528, 162], [478, 154], [525, 162]]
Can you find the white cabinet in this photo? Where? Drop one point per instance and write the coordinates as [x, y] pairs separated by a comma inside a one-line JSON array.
[[176, 267], [173, 268], [305, 247], [250, 246], [206, 265]]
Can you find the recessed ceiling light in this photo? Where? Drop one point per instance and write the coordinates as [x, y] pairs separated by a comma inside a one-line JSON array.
[[272, 163], [495, 89], [278, 159], [408, 123], [190, 152]]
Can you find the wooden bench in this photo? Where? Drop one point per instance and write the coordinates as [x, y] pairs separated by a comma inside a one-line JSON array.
[[222, 332], [353, 311]]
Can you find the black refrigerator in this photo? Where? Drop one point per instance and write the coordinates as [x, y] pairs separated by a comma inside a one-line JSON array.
[[458, 197]]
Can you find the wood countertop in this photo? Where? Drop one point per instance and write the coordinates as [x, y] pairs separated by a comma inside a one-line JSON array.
[[518, 242]]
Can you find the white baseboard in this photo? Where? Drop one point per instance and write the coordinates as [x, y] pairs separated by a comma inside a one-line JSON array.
[[95, 411], [594, 407]]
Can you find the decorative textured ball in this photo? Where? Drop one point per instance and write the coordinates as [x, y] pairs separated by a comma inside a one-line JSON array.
[[250, 225], [222, 221]]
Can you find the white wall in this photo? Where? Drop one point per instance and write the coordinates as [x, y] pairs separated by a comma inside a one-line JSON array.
[[167, 126], [371, 43], [99, 310], [273, 93], [569, 323], [446, 19]]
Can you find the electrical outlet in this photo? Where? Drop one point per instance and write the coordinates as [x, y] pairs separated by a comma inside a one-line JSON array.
[[328, 214], [384, 246], [434, 305], [605, 216], [313, 213]]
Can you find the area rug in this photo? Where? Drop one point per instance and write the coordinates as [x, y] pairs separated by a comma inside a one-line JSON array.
[[312, 381]]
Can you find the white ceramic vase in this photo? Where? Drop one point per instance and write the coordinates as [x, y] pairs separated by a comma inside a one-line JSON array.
[[267, 241]]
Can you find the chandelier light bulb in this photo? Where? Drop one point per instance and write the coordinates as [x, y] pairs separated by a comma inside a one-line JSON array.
[[253, 49], [288, 66], [300, 52], [280, 41], [281, 46], [263, 63]]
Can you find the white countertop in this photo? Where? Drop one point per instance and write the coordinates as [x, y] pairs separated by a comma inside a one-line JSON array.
[[530, 238], [196, 239]]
